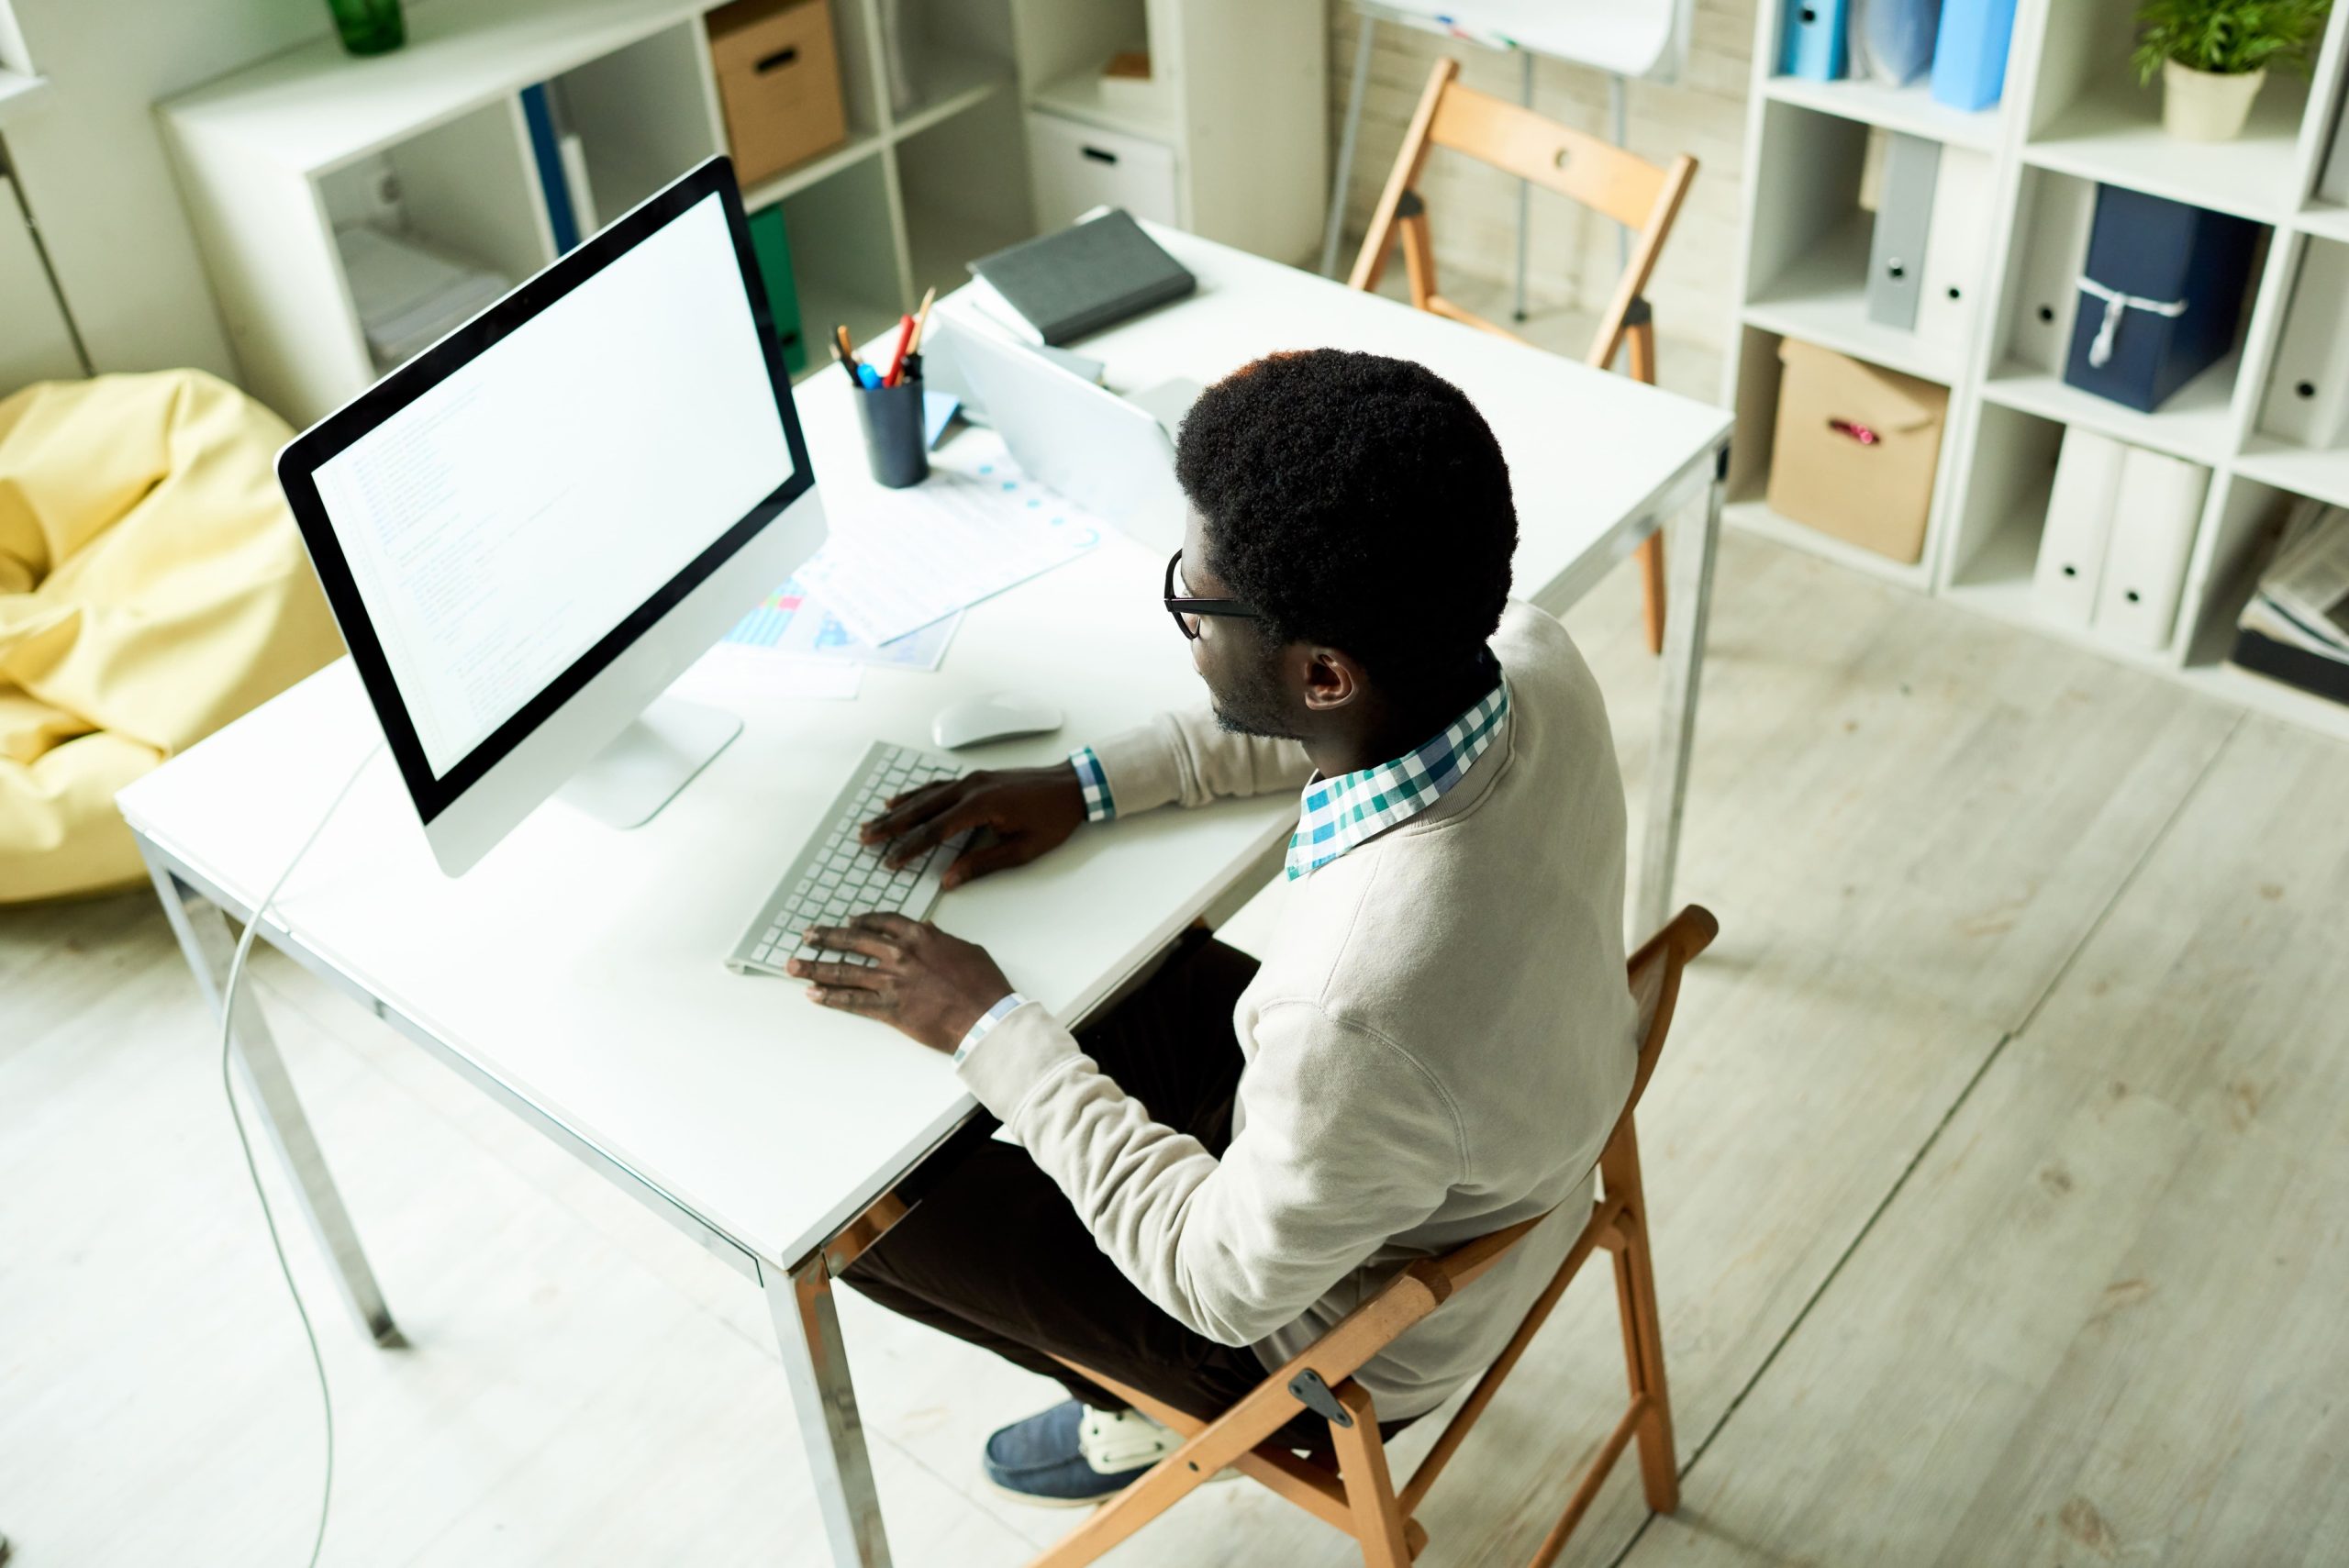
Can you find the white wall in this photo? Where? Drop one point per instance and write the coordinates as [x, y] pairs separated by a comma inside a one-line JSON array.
[[1472, 210], [91, 165]]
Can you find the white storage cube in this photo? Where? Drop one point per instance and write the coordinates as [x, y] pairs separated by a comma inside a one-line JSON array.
[[1076, 167]]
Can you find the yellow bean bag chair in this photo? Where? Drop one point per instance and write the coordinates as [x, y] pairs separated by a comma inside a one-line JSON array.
[[152, 588]]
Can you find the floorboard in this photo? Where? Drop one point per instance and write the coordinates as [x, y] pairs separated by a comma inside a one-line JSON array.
[[2100, 1322]]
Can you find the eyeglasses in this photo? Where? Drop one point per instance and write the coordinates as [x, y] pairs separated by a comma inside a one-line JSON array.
[[1186, 612]]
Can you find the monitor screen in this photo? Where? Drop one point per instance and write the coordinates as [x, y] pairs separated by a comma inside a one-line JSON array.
[[513, 516]]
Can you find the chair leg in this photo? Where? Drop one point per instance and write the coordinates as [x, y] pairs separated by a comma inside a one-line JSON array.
[[1639, 342], [1419, 257], [1644, 1364], [1652, 590], [1370, 1488]]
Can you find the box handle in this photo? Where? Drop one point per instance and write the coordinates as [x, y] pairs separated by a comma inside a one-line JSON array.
[[777, 61], [1864, 434], [1100, 155]]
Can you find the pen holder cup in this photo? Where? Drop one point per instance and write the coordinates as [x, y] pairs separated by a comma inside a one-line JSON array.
[[893, 446]]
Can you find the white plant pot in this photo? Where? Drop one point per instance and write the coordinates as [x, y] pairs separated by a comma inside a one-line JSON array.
[[2202, 106]]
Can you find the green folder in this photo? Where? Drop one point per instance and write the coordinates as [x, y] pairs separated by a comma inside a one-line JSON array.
[[774, 250]]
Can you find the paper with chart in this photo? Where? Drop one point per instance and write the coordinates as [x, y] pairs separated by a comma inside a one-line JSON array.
[[790, 622], [898, 560]]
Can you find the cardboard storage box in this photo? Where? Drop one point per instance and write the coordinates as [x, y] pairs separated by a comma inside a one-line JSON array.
[[779, 82], [1855, 451]]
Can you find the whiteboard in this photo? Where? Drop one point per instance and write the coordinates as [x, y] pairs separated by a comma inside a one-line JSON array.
[[1626, 37]]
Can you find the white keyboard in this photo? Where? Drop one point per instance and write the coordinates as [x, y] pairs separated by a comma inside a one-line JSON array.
[[837, 876]]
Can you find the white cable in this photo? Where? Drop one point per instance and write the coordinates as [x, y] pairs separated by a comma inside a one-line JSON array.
[[228, 1019]]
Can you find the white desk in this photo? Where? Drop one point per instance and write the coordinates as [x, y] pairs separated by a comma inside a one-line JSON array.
[[576, 976]]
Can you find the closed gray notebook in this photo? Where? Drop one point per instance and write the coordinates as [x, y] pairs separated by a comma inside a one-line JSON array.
[[1088, 276]]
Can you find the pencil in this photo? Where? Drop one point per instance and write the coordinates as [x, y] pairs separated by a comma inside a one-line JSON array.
[[921, 322]]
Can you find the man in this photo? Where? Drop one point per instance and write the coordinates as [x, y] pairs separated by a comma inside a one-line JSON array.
[[1435, 1047]]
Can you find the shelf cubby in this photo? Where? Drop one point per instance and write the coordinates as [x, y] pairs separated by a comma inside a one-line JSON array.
[[844, 256], [958, 52], [1756, 402], [1996, 528], [1069, 64], [1808, 277], [2300, 433], [960, 201], [2033, 339], [2090, 119], [467, 187], [644, 114]]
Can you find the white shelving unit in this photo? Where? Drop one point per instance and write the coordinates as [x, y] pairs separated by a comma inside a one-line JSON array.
[[273, 159], [2072, 116]]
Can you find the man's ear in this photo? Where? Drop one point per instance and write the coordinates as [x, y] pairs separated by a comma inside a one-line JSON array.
[[1331, 678]]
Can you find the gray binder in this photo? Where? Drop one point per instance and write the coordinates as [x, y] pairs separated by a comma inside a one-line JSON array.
[[1904, 212]]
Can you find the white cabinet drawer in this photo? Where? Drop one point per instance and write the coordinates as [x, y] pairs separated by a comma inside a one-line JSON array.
[[1077, 167]]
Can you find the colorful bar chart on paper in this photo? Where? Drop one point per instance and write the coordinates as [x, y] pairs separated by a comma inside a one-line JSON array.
[[764, 627]]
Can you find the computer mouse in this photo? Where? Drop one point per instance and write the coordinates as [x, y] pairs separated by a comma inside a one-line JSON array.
[[976, 720]]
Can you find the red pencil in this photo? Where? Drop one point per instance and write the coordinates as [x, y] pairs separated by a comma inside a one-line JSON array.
[[897, 359]]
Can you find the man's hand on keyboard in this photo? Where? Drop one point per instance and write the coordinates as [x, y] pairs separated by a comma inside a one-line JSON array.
[[1031, 810], [928, 984]]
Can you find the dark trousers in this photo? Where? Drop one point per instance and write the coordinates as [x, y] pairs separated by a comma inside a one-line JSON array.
[[993, 1253]]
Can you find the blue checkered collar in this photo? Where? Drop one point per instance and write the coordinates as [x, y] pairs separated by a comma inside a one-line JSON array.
[[1338, 814]]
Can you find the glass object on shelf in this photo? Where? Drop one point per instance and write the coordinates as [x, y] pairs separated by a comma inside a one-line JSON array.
[[369, 26]]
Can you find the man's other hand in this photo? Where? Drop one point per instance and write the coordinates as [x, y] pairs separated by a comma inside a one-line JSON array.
[[928, 985], [1030, 810]]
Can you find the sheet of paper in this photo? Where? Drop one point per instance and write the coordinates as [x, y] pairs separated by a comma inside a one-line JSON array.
[[898, 560], [790, 622], [733, 671]]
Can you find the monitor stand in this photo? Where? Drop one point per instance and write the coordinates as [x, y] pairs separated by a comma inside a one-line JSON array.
[[627, 783]]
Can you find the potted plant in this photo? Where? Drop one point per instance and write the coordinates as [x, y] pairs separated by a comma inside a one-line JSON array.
[[2212, 55]]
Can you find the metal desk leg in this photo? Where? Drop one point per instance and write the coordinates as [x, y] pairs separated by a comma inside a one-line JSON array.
[[1690, 542], [807, 1328], [206, 939], [1334, 224]]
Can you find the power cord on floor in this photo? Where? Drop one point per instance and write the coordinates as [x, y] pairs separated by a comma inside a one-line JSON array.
[[228, 1019]]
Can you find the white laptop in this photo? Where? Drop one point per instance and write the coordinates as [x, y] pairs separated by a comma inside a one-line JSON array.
[[1109, 454]]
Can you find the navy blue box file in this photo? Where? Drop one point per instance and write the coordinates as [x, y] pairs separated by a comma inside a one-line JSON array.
[[2159, 298]]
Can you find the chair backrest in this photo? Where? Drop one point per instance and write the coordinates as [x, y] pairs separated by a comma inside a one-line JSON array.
[[1516, 140], [1617, 184]]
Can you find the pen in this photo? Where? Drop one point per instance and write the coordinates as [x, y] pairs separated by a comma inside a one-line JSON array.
[[866, 376], [898, 359]]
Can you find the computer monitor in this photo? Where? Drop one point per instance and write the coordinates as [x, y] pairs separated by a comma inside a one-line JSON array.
[[530, 530]]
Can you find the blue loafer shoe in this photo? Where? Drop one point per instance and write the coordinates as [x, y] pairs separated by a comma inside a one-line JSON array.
[[1071, 1456]]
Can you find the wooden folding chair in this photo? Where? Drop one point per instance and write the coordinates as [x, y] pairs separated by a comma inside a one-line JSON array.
[[1359, 1495], [1610, 181]]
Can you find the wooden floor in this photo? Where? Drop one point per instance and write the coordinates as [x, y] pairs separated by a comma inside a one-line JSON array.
[[2001, 1169]]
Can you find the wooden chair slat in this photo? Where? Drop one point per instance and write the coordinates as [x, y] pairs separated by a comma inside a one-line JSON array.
[[1513, 139]]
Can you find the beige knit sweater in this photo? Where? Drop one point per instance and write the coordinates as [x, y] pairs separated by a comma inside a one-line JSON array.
[[1437, 1045]]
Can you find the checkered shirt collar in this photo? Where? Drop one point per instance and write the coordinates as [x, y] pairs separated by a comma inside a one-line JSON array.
[[1341, 813]]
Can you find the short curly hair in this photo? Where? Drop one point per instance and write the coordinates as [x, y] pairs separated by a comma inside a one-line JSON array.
[[1357, 501]]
